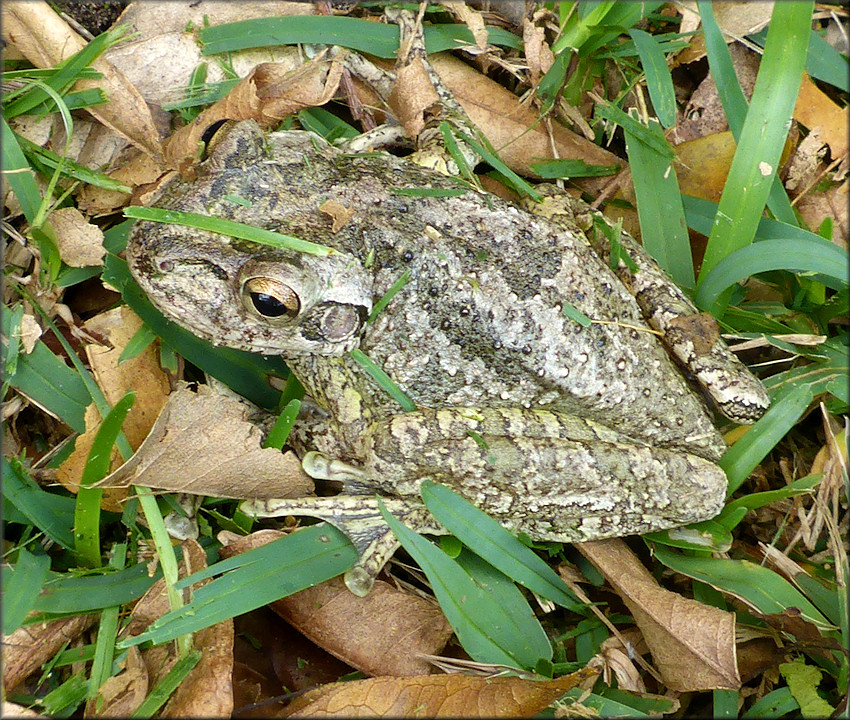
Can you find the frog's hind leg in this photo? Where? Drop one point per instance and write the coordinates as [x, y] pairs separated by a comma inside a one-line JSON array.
[[359, 518]]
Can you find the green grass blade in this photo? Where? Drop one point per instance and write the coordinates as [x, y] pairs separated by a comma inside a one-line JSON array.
[[641, 132], [659, 82], [753, 501], [758, 586], [87, 513], [65, 595], [297, 561], [165, 687], [22, 589], [762, 138], [283, 425], [227, 227], [374, 38], [486, 631], [107, 632], [487, 538], [796, 255], [735, 103], [50, 513], [659, 203], [786, 409], [776, 704], [383, 380], [17, 171]]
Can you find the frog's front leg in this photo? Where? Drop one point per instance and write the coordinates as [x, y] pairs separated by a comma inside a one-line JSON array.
[[691, 336], [359, 518]]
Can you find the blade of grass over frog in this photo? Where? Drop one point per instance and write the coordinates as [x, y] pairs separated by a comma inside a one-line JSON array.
[[755, 585], [762, 138], [283, 567], [49, 513], [389, 295], [373, 38], [165, 687], [776, 704], [788, 406], [247, 373], [487, 538], [384, 381], [659, 204], [227, 227], [64, 594], [555, 169], [22, 589], [575, 315], [283, 425], [482, 626], [795, 255], [659, 82], [44, 378], [641, 132], [107, 631], [735, 103], [529, 637], [87, 513]]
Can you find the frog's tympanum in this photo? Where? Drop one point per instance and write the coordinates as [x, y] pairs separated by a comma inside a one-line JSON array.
[[563, 430]]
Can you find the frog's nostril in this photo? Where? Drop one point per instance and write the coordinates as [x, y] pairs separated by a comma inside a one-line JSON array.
[[165, 265]]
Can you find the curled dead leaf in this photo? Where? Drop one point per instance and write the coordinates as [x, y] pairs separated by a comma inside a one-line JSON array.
[[693, 645], [437, 696], [204, 443], [80, 243]]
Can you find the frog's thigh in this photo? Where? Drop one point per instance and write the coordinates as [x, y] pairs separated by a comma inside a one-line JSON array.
[[359, 518], [566, 479]]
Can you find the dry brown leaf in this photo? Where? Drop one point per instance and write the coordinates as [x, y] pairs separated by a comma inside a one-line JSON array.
[[471, 18], [142, 374], [121, 694], [380, 634], [538, 54], [703, 165], [425, 696], [693, 645], [29, 647], [271, 92], [616, 653], [735, 19], [818, 112], [815, 207], [339, 213], [80, 243], [137, 172], [205, 443], [30, 332], [206, 691], [11, 710], [45, 39], [412, 95]]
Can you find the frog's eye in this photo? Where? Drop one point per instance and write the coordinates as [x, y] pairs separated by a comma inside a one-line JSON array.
[[271, 298]]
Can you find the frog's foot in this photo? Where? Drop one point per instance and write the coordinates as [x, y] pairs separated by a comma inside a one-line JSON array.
[[691, 336], [359, 518]]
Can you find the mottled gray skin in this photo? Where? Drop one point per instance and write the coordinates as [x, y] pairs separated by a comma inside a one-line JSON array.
[[562, 431]]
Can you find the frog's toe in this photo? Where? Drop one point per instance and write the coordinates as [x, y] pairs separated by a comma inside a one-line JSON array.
[[360, 519]]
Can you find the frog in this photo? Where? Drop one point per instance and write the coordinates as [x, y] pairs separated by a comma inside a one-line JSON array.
[[522, 371]]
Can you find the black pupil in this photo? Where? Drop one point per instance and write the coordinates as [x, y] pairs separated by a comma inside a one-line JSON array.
[[268, 305]]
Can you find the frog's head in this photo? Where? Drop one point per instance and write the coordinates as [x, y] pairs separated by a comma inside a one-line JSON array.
[[252, 297]]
